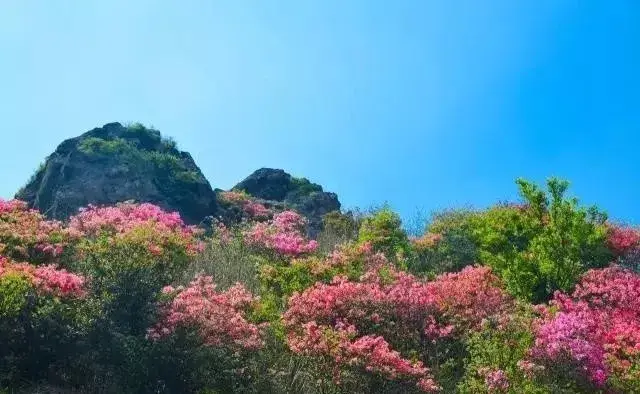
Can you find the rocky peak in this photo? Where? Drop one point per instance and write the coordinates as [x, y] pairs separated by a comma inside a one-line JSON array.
[[277, 187], [116, 163]]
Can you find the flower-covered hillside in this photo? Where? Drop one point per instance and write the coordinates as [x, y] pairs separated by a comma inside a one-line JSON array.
[[537, 296]]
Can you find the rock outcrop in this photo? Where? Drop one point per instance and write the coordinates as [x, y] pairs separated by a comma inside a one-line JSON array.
[[115, 163], [275, 187]]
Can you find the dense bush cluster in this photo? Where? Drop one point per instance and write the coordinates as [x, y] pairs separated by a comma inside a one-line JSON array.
[[539, 296]]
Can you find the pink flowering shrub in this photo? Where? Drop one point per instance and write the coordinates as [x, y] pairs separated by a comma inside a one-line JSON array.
[[496, 381], [234, 197], [26, 235], [131, 239], [250, 208], [470, 296], [47, 278], [622, 239], [624, 242], [426, 241], [219, 317], [222, 233], [256, 210], [283, 235], [351, 260], [595, 333], [127, 219], [390, 309]]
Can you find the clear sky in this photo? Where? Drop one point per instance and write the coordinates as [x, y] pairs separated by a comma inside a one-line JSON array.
[[424, 104]]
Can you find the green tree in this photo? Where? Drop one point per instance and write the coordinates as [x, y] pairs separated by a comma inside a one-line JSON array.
[[450, 245], [383, 229], [543, 245]]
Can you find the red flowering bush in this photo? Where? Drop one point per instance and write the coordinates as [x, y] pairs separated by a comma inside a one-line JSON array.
[[234, 197], [595, 332], [283, 235], [250, 208], [496, 381], [47, 279], [26, 235], [256, 210], [123, 220], [281, 278], [390, 309], [622, 239], [624, 242], [219, 317]]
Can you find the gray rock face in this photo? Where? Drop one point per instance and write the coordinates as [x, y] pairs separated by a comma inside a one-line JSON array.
[[280, 188], [114, 163]]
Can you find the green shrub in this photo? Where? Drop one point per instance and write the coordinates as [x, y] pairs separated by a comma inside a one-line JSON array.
[[15, 291], [227, 261], [383, 229], [164, 162], [337, 228], [304, 186], [543, 245], [127, 276], [500, 346], [40, 333], [94, 146], [537, 247], [448, 244], [144, 135]]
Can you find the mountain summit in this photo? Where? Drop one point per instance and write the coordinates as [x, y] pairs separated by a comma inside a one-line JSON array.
[[116, 163]]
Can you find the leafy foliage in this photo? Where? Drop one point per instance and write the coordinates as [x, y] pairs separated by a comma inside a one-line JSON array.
[[383, 229], [496, 353], [142, 147], [304, 186], [537, 247], [337, 228]]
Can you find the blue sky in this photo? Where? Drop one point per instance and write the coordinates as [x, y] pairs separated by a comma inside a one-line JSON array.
[[424, 104]]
